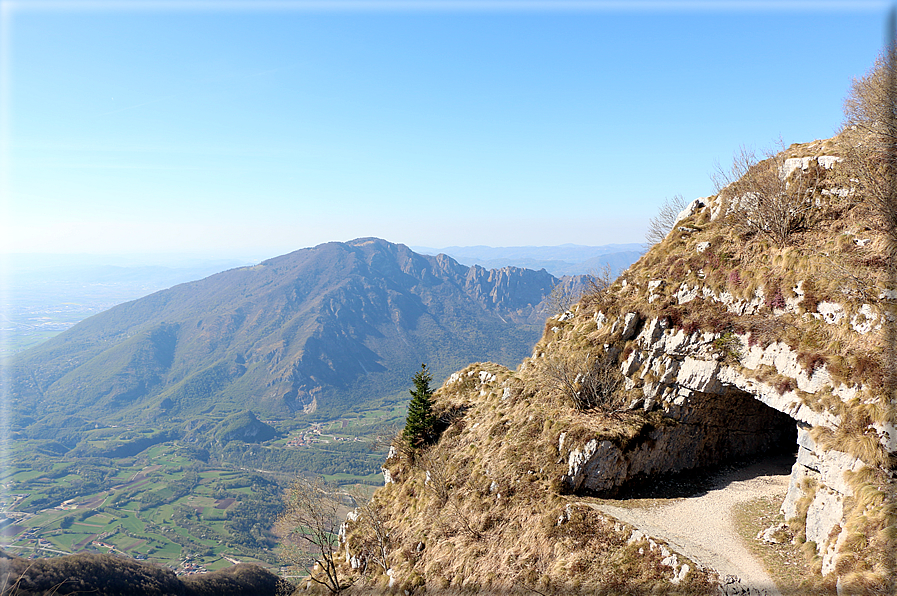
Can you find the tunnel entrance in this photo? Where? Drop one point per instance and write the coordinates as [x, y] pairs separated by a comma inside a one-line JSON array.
[[720, 434]]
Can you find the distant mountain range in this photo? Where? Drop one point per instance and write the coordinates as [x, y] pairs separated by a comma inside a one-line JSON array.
[[314, 331], [560, 261]]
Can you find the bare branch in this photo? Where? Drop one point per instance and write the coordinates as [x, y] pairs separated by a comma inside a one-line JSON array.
[[772, 198], [661, 224], [311, 515]]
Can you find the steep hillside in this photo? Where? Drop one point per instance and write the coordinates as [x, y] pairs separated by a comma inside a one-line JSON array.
[[727, 340], [311, 331]]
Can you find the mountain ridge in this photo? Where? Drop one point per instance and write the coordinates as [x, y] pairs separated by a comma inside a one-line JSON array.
[[286, 331]]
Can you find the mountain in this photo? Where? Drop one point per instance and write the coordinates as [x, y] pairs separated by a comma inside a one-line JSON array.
[[48, 294], [562, 260], [314, 331], [760, 329]]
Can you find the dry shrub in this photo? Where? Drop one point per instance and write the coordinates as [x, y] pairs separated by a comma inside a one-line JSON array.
[[586, 382], [870, 132], [767, 201], [784, 384], [811, 361], [811, 299], [661, 224], [764, 331]]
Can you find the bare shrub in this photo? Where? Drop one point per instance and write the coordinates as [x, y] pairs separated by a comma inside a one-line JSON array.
[[596, 286], [374, 521], [587, 383], [599, 280], [311, 515], [667, 216], [440, 480], [870, 130], [766, 197], [443, 481], [562, 297]]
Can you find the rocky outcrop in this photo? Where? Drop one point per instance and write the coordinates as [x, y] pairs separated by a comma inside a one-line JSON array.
[[730, 357]]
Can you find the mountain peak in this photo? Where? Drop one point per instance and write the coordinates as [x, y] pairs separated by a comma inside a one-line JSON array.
[[315, 329]]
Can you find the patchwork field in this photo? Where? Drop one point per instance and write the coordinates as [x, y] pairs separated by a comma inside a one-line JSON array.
[[165, 505]]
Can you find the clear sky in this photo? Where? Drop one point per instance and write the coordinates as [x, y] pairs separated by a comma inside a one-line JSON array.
[[254, 129]]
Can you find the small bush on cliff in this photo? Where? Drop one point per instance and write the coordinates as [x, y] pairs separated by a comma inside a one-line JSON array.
[[767, 200]]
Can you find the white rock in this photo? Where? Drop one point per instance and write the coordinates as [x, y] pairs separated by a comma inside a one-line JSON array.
[[486, 377], [691, 209], [825, 512], [830, 465], [702, 246], [630, 324], [829, 557], [686, 294], [831, 312], [795, 492], [828, 161], [699, 375], [631, 364], [864, 321], [597, 467], [772, 534], [887, 434]]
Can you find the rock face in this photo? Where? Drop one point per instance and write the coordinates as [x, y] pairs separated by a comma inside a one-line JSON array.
[[719, 413], [752, 371]]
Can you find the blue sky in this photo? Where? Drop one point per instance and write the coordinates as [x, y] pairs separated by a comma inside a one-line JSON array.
[[228, 130]]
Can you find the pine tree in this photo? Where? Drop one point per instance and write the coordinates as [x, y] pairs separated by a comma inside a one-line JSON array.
[[419, 424]]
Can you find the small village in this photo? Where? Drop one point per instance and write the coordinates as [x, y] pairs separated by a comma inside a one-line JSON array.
[[315, 434]]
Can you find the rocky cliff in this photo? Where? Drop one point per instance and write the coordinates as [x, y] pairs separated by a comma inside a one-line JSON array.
[[722, 342]]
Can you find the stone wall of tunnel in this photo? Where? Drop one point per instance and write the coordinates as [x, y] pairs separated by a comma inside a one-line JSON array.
[[700, 430], [716, 411], [721, 427]]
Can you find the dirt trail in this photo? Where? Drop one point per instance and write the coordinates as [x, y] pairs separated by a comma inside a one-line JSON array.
[[701, 526]]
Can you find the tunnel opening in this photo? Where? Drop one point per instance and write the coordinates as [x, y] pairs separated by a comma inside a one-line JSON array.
[[721, 435]]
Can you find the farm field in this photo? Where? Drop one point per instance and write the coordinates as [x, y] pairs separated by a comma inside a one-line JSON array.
[[168, 506]]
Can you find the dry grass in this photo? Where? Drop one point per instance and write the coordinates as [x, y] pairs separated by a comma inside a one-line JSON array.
[[486, 519], [784, 562]]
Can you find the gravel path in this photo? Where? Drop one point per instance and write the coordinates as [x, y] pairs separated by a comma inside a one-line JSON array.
[[701, 526]]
